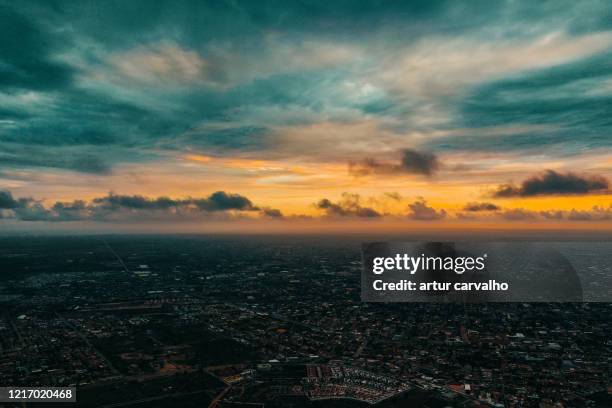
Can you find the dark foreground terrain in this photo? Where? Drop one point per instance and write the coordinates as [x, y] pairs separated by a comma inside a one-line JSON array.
[[231, 322]]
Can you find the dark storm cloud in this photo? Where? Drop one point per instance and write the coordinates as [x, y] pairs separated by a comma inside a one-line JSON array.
[[26, 55], [348, 206], [412, 162], [59, 69], [554, 183], [7, 201], [474, 207]]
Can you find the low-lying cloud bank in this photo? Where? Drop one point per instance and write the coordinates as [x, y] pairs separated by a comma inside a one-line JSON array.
[[348, 206], [227, 206], [354, 205], [596, 213], [115, 207], [553, 183]]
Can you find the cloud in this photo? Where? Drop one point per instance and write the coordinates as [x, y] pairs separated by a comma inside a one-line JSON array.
[[419, 210], [23, 208], [552, 214], [217, 201], [518, 214], [85, 163], [34, 211], [597, 213], [13, 155], [167, 63], [412, 162], [115, 201], [325, 83], [369, 166], [222, 201], [7, 201], [565, 105], [272, 212], [465, 216], [417, 162], [72, 211], [352, 137], [348, 206], [116, 207], [474, 207], [554, 183], [27, 59], [161, 64], [394, 195], [442, 66]]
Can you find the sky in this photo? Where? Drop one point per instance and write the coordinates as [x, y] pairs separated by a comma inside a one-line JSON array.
[[286, 114]]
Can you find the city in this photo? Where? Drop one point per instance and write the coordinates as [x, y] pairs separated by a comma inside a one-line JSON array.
[[275, 321]]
